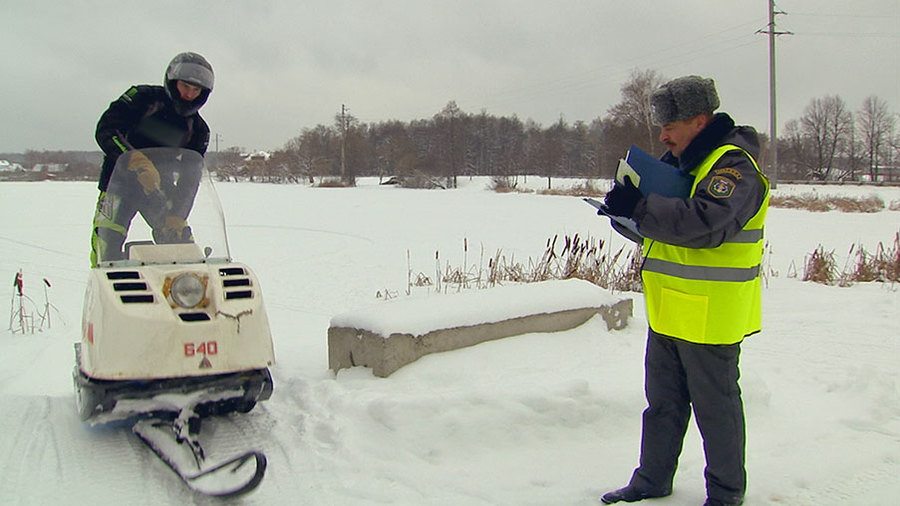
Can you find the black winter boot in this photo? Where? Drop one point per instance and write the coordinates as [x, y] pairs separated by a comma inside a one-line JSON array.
[[631, 494], [716, 502]]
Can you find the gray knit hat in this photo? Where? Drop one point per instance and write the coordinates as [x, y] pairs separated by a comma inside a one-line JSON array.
[[683, 98]]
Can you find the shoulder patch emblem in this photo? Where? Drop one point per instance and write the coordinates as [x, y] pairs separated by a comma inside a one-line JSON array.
[[129, 95], [720, 187], [728, 171]]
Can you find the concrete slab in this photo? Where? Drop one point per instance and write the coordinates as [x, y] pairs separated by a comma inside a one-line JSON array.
[[392, 334]]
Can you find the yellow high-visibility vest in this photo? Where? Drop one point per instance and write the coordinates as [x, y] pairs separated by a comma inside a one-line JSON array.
[[707, 295]]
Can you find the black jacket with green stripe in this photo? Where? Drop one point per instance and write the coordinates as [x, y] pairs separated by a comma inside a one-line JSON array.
[[144, 117]]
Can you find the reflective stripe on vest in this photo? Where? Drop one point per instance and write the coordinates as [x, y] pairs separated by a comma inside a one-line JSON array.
[[707, 295], [699, 272]]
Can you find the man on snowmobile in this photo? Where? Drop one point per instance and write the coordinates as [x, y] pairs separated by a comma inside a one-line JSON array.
[[147, 116]]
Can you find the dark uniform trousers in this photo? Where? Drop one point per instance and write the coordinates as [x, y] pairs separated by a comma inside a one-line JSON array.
[[678, 375]]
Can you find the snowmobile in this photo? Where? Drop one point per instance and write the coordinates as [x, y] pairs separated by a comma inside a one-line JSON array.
[[173, 330]]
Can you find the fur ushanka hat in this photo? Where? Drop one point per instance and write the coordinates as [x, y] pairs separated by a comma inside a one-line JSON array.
[[683, 98]]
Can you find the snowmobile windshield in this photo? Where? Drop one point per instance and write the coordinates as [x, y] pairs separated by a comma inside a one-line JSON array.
[[164, 202]]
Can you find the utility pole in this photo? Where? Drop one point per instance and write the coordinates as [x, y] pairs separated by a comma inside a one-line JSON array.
[[343, 141], [218, 158], [773, 135]]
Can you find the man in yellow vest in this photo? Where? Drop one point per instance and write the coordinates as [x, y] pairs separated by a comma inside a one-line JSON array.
[[701, 278]]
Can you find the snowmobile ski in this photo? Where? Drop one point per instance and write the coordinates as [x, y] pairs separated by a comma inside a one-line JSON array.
[[175, 444]]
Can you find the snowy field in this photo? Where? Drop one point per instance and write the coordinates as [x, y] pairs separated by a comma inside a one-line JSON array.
[[539, 419]]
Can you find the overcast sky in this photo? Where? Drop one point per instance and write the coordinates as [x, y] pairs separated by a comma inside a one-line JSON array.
[[285, 65]]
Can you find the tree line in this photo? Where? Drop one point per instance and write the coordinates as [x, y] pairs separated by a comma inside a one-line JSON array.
[[829, 142], [453, 143], [832, 143]]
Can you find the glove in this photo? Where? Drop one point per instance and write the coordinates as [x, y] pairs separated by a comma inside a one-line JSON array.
[[147, 174], [622, 199], [175, 230]]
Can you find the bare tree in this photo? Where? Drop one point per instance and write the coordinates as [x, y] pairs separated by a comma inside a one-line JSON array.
[[360, 153], [828, 124], [795, 160], [551, 154], [395, 152], [312, 152], [635, 105], [229, 163], [876, 124], [583, 152], [509, 146], [452, 125]]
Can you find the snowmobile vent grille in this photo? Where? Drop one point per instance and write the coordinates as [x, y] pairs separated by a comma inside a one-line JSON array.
[[130, 292], [236, 283], [140, 299], [194, 317], [135, 286], [116, 275]]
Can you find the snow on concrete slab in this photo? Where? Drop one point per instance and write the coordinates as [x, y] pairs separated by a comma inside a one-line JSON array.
[[390, 335], [419, 316]]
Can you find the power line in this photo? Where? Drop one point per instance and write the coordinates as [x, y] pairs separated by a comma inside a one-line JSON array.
[[844, 16], [851, 34]]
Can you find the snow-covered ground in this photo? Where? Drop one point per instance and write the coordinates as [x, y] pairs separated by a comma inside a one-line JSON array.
[[539, 419]]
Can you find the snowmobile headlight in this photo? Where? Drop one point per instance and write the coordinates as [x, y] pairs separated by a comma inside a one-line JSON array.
[[188, 290]]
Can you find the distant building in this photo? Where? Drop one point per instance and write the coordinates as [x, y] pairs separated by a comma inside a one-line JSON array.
[[255, 164], [7, 166], [884, 174], [257, 156], [50, 168]]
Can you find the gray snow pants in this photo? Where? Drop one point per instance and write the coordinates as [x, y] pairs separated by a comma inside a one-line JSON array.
[[679, 375]]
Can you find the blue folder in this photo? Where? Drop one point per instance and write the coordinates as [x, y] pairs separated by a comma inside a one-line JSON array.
[[651, 175]]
